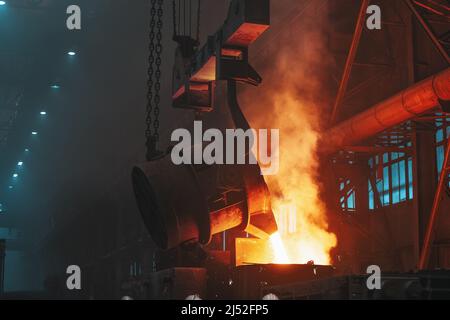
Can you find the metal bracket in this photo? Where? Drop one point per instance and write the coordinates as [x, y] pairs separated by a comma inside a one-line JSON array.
[[223, 57]]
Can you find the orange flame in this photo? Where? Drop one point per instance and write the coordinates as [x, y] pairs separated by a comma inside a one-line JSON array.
[[290, 100], [300, 213]]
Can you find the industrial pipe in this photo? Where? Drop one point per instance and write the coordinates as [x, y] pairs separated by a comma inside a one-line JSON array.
[[418, 99]]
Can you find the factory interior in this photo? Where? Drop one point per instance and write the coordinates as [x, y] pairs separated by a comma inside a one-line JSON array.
[[356, 98]]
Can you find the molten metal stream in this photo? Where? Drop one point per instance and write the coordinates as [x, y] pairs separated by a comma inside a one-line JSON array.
[[279, 250]]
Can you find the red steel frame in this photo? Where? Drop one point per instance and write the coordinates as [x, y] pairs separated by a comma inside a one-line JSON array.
[[429, 234]]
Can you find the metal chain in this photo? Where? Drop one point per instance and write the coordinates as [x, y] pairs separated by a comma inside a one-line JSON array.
[[154, 78], [158, 69], [150, 83]]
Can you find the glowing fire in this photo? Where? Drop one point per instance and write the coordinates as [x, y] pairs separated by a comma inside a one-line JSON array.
[[279, 249], [300, 213], [289, 100]]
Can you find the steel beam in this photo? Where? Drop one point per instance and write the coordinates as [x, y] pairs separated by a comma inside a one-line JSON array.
[[434, 7], [429, 235], [428, 31], [350, 60], [376, 150]]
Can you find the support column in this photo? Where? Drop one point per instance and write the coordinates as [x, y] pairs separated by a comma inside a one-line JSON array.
[[426, 181]]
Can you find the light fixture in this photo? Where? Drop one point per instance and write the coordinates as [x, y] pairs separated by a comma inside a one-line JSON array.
[[34, 133], [27, 150], [71, 53], [55, 86], [10, 187], [20, 163], [15, 175], [43, 113], [2, 3]]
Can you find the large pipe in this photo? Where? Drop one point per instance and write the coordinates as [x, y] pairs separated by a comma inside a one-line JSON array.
[[418, 99]]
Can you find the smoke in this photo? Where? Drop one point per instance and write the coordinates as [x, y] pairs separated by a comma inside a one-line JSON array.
[[293, 99]]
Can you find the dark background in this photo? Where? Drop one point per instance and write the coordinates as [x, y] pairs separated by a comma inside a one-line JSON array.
[[94, 128]]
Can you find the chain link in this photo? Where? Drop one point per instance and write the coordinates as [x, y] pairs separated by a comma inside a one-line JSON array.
[[158, 69], [150, 72], [154, 77]]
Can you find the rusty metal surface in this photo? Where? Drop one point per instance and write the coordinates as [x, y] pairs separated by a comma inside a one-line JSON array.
[[179, 203], [227, 218], [171, 202], [261, 221]]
